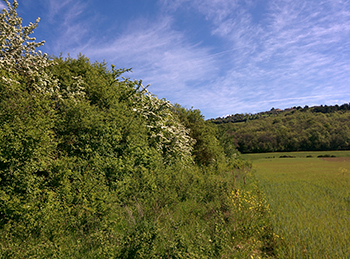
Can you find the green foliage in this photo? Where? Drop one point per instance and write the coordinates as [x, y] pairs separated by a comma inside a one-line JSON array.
[[207, 149], [236, 118], [92, 165], [293, 131]]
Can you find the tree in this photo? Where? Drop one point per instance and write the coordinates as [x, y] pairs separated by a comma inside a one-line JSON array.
[[207, 149], [167, 133], [21, 65], [17, 49]]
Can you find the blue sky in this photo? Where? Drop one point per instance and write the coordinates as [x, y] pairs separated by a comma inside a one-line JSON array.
[[220, 56]]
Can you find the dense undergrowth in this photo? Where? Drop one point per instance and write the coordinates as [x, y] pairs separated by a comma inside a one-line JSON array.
[[194, 216], [92, 165]]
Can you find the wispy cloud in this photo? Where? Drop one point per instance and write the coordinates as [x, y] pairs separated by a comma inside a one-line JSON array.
[[216, 10], [297, 53], [70, 25], [160, 56], [55, 7], [265, 52], [288, 56], [2, 6]]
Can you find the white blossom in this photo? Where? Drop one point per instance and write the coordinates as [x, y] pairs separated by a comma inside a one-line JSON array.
[[167, 133], [18, 55], [17, 48]]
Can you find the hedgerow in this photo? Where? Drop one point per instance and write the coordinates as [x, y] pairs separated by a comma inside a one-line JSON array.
[[93, 165]]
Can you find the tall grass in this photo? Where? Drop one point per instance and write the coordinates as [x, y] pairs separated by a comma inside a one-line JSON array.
[[310, 203], [184, 213]]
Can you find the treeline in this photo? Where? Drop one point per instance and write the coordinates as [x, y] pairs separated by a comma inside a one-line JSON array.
[[295, 130], [274, 112], [93, 165]]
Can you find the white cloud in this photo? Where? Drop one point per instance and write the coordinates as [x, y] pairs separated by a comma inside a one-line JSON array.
[[71, 27], [55, 7], [173, 5], [288, 57], [160, 56], [216, 10], [2, 6], [295, 52], [300, 55]]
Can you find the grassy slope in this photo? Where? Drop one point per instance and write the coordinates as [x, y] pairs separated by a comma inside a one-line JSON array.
[[310, 202]]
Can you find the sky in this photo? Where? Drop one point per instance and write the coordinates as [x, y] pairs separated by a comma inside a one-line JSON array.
[[220, 56]]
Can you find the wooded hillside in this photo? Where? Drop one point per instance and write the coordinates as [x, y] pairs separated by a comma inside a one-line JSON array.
[[295, 129]]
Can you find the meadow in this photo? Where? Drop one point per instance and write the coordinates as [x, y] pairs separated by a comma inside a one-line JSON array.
[[299, 154], [309, 197]]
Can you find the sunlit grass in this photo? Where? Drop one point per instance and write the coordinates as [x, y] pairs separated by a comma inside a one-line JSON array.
[[301, 154], [254, 236], [310, 203]]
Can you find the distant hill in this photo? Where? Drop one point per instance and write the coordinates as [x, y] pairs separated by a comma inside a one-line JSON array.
[[294, 129], [243, 117]]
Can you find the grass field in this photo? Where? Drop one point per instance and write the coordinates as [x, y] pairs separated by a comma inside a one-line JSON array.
[[310, 201], [300, 154]]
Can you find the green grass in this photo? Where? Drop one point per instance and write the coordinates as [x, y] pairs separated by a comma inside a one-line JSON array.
[[310, 202], [300, 154], [191, 213]]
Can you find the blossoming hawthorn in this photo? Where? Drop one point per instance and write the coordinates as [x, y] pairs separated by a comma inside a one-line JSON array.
[[20, 61], [17, 49], [167, 134]]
